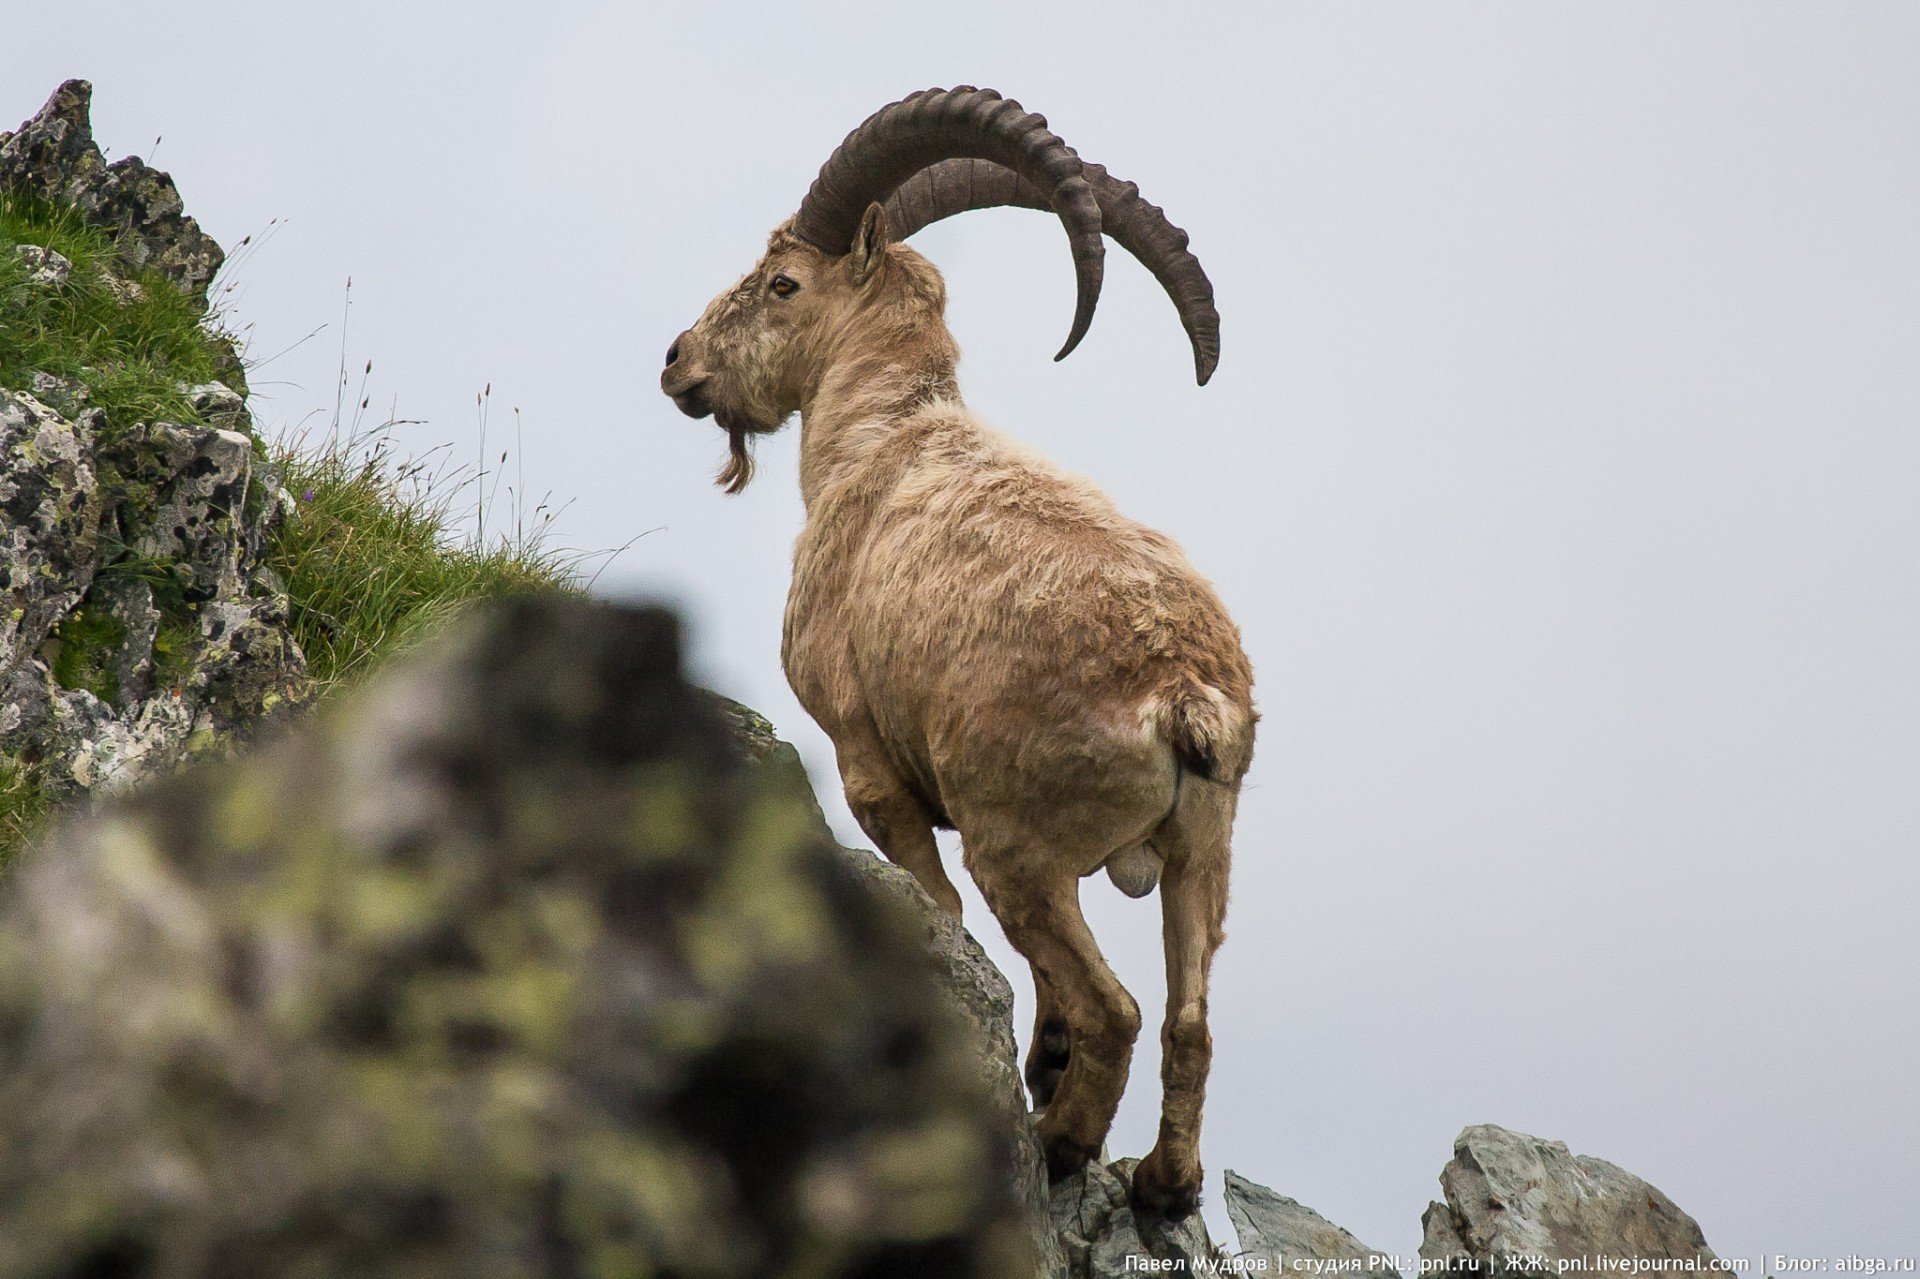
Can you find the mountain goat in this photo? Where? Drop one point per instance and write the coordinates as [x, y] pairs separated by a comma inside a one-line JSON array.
[[990, 644]]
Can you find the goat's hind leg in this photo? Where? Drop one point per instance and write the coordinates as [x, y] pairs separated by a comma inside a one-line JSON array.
[[895, 819], [1193, 904], [1040, 913]]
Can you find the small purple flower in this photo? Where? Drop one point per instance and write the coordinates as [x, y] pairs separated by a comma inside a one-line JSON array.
[[306, 495]]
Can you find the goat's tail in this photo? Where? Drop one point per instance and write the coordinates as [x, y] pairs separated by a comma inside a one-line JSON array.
[[1212, 742], [1210, 736]]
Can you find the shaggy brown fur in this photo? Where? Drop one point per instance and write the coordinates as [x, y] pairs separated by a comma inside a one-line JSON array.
[[993, 647]]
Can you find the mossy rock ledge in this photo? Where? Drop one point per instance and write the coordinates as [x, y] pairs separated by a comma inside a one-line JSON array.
[[137, 621]]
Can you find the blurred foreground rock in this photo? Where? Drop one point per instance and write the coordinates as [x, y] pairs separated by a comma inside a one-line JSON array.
[[508, 965]]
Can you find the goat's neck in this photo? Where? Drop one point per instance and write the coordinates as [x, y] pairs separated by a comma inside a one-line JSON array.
[[867, 385]]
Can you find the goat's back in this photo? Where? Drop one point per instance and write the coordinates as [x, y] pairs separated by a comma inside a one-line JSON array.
[[985, 603]]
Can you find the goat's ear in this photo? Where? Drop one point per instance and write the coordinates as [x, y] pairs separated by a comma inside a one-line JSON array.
[[870, 243]]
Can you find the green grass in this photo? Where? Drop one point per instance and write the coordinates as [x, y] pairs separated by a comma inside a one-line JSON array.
[[23, 804], [372, 553], [371, 559], [81, 652], [132, 355]]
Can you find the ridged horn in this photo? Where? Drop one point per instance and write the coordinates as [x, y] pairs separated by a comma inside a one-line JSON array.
[[934, 125], [1140, 227]]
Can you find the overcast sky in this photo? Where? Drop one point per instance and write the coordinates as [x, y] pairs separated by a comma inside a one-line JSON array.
[[1561, 469]]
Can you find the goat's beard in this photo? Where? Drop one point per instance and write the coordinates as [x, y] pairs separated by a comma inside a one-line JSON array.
[[738, 471]]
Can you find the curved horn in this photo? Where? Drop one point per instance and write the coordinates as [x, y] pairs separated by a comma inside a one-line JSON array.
[[1141, 228], [920, 130]]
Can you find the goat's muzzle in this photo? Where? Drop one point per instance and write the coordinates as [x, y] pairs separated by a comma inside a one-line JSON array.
[[683, 380]]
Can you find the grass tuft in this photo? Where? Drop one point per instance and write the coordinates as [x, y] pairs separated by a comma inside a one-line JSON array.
[[371, 553], [371, 558], [23, 805], [133, 349]]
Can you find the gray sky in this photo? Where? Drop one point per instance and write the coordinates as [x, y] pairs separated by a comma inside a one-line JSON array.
[[1561, 469]]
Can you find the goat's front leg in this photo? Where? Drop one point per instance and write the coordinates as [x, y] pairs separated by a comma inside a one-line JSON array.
[[1041, 917], [896, 820]]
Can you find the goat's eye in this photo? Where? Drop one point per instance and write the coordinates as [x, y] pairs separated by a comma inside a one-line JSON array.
[[784, 286]]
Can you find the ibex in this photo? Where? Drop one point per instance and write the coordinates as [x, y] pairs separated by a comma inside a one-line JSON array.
[[992, 646]]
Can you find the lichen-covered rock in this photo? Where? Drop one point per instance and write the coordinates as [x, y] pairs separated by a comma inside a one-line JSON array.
[[66, 396], [53, 156], [45, 268], [99, 683], [195, 484], [50, 513], [220, 405], [137, 625], [1514, 1202], [506, 965], [1284, 1232]]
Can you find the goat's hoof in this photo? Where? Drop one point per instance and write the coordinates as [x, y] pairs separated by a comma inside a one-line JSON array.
[[1065, 1157], [1167, 1195]]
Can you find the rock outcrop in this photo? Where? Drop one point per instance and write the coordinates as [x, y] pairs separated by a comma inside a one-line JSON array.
[[53, 158], [508, 964], [141, 625], [1514, 1202]]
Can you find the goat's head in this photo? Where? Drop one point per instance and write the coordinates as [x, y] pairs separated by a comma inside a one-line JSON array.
[[750, 358]]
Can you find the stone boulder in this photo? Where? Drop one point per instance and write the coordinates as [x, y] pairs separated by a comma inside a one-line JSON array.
[[1519, 1203], [1283, 1232], [1100, 1238], [513, 962]]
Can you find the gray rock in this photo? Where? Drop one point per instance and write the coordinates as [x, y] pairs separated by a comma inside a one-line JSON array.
[[50, 512], [129, 602], [1513, 1201], [1283, 1231], [99, 750], [53, 156], [45, 268], [124, 291], [220, 405], [1102, 1239], [202, 478], [66, 396]]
